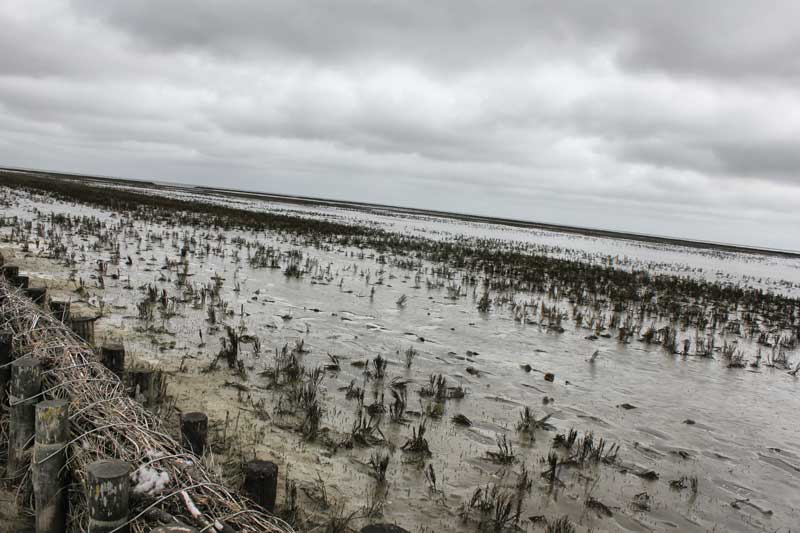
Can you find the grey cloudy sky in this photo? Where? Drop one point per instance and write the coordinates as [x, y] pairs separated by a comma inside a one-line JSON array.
[[676, 118]]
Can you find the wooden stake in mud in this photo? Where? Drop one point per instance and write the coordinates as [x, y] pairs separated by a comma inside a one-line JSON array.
[[26, 382], [49, 458], [60, 310], [83, 328], [10, 272], [37, 294], [146, 385], [108, 492], [194, 430], [261, 483], [6, 337], [113, 356]]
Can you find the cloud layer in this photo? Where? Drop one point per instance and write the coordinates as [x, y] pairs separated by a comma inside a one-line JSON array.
[[677, 119]]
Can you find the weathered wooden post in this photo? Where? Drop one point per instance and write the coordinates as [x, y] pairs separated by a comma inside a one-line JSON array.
[[108, 492], [49, 458], [60, 310], [26, 382], [174, 529], [10, 272], [261, 483], [37, 294], [83, 328], [194, 429], [6, 336], [113, 357], [146, 385]]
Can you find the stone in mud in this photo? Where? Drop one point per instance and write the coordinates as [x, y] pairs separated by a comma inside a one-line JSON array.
[[549, 376], [526, 367], [627, 406]]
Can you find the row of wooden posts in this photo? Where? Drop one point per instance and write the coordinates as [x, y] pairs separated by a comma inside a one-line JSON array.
[[46, 422]]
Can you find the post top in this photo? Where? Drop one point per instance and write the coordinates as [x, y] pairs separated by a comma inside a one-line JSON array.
[[194, 416], [27, 362], [50, 404], [113, 346], [109, 469]]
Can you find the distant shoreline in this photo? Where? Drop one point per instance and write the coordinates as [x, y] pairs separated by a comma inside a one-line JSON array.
[[364, 206]]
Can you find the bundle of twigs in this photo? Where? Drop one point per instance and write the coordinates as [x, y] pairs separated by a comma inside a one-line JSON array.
[[106, 424]]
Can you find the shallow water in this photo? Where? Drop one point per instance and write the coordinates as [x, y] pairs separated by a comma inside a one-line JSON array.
[[743, 444]]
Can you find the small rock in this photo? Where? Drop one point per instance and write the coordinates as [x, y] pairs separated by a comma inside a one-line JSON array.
[[549, 376]]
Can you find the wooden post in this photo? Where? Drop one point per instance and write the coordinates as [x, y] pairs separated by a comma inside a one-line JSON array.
[[26, 382], [10, 272], [60, 310], [194, 430], [21, 281], [261, 483], [49, 459], [113, 356], [83, 328], [37, 294], [174, 529], [146, 385], [108, 492], [6, 336]]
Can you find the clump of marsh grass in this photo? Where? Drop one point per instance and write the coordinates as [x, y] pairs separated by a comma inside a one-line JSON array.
[[589, 450], [397, 409], [430, 477], [379, 463], [496, 509], [484, 304], [376, 408], [379, 365], [339, 521], [528, 423], [354, 392], [418, 443], [505, 451], [551, 473], [365, 432], [410, 355], [436, 388], [565, 441], [561, 525]]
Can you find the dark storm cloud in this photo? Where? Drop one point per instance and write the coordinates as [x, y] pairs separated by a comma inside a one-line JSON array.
[[664, 117]]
